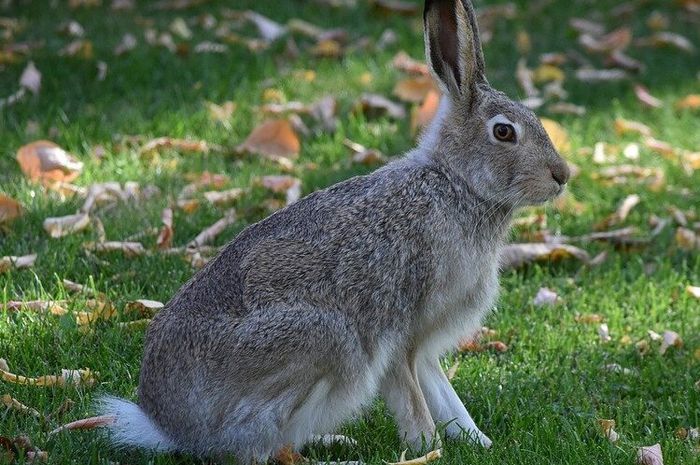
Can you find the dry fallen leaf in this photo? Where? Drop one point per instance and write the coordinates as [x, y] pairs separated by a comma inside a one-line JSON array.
[[620, 215], [43, 306], [558, 135], [84, 377], [129, 249], [414, 89], [8, 263], [13, 404], [288, 185], [143, 307], [670, 339], [165, 236], [623, 126], [604, 333], [646, 98], [86, 424], [587, 318], [693, 291], [9, 209], [47, 162], [226, 197], [376, 106], [687, 239], [545, 296], [429, 457], [31, 78], [650, 455], [21, 445], [180, 145], [516, 255], [667, 39], [689, 102], [403, 62], [65, 225], [127, 44], [210, 233], [607, 426], [600, 75], [273, 139], [395, 7]]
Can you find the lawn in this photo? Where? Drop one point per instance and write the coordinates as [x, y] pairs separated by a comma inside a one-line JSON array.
[[541, 399]]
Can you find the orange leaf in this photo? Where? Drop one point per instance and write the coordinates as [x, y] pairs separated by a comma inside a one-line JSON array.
[[47, 162], [423, 115], [273, 139], [165, 237], [689, 102], [414, 89], [86, 423], [9, 208]]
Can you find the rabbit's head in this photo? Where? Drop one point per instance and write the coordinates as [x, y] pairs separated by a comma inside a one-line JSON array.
[[496, 145]]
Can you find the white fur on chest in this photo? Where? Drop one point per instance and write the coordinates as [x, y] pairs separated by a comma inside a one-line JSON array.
[[466, 287]]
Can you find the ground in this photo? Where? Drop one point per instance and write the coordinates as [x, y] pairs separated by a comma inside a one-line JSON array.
[[539, 401]]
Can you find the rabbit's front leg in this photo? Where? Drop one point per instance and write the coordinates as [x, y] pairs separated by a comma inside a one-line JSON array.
[[445, 405], [402, 393]]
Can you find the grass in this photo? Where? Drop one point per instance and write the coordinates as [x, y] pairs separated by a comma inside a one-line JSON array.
[[539, 401]]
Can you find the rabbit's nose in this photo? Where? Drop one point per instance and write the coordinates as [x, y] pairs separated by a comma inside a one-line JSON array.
[[560, 173]]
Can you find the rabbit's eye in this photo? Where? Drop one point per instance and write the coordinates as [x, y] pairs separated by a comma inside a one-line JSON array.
[[504, 132]]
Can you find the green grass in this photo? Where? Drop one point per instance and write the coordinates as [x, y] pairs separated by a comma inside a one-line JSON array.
[[539, 401]]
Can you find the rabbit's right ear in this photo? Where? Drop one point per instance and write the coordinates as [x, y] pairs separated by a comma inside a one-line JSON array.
[[452, 46]]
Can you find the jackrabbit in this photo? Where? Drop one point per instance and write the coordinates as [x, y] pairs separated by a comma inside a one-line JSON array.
[[354, 290]]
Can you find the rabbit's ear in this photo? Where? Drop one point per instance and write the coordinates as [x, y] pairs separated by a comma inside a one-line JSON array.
[[453, 47]]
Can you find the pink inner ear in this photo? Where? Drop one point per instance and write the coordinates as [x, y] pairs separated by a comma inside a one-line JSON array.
[[447, 44]]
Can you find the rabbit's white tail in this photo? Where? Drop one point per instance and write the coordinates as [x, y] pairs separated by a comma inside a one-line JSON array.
[[132, 427]]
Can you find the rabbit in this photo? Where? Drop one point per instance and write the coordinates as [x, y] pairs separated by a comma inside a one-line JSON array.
[[355, 290]]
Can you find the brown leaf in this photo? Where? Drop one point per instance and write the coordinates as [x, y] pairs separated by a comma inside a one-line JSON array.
[[144, 308], [13, 404], [423, 115], [43, 306], [86, 424], [165, 236], [621, 213], [667, 39], [100, 310], [79, 48], [608, 428], [221, 113], [327, 48], [516, 255], [414, 89], [558, 135], [646, 98], [65, 225], [618, 39], [689, 102], [650, 455], [375, 105], [9, 209], [181, 145], [84, 377], [210, 233], [129, 249], [403, 62], [8, 263], [273, 139], [687, 239], [429, 457], [47, 162], [288, 185], [395, 7], [220, 198], [623, 126]]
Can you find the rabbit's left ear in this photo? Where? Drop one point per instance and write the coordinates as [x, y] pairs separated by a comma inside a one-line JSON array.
[[452, 46]]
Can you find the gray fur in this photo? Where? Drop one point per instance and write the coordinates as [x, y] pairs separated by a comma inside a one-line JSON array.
[[352, 291]]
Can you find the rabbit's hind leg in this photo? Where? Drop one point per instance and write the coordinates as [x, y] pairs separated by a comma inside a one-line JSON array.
[[291, 373]]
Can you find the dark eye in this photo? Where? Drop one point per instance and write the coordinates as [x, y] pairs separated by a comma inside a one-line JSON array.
[[504, 132]]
